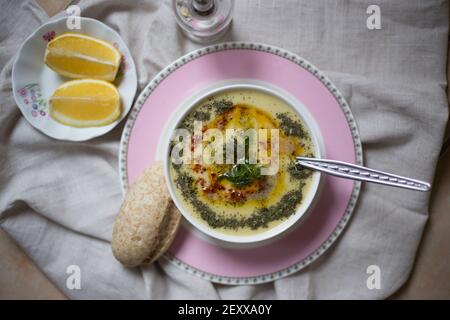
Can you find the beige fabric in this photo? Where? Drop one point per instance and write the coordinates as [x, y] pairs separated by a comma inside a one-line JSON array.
[[52, 7], [59, 199]]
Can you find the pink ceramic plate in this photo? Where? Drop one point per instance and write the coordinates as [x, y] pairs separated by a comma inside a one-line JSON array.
[[199, 69]]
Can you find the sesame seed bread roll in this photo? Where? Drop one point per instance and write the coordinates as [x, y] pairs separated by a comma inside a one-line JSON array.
[[147, 221]]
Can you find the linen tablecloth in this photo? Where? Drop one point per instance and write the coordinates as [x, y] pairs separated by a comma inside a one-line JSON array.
[[58, 199]]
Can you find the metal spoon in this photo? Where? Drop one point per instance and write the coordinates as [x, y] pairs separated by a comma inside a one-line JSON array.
[[354, 172]]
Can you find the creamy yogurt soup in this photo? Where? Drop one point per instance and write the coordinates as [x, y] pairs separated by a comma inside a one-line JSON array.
[[236, 198]]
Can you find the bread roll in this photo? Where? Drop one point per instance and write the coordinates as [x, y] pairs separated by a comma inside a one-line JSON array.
[[147, 221]]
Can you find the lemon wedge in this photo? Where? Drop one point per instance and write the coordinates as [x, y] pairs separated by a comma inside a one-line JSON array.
[[85, 103], [77, 56]]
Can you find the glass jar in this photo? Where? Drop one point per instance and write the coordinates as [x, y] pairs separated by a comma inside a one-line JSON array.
[[203, 21]]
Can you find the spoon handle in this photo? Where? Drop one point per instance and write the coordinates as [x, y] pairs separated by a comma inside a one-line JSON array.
[[354, 172]]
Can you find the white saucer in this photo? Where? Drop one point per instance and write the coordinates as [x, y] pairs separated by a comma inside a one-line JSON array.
[[33, 82]]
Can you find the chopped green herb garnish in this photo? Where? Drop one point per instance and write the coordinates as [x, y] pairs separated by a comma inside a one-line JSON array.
[[299, 173], [260, 218], [205, 112], [291, 127], [219, 106], [242, 174], [201, 115]]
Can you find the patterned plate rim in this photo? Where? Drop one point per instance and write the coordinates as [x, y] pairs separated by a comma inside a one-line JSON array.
[[308, 67]]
